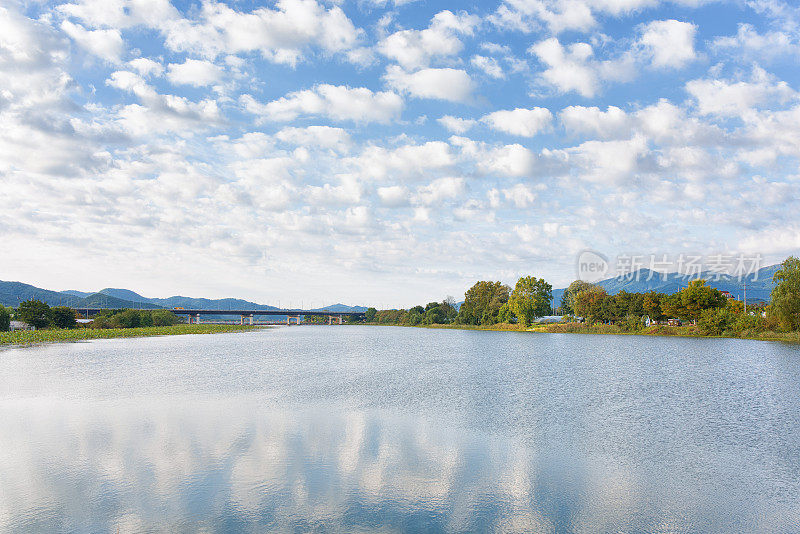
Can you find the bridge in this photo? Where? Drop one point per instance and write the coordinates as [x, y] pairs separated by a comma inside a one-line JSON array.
[[246, 316]]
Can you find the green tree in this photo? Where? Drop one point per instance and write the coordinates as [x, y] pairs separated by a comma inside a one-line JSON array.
[[482, 303], [126, 319], [5, 319], [568, 298], [163, 318], [369, 315], [34, 312], [651, 305], [689, 303], [63, 317], [435, 315], [530, 299], [785, 297], [589, 304]]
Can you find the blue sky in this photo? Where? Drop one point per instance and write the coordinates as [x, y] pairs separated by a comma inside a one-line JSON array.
[[389, 153]]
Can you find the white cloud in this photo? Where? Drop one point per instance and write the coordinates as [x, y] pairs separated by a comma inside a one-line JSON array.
[[335, 102], [447, 188], [729, 98], [519, 121], [416, 48], [568, 68], [394, 195], [488, 65], [669, 43], [105, 44], [321, 136], [608, 124], [280, 34], [456, 124], [441, 84], [194, 72], [748, 42], [146, 66], [609, 162]]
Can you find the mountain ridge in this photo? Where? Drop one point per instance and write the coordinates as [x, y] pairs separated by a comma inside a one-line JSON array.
[[12, 293]]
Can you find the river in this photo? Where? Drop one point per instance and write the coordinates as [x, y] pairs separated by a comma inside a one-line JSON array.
[[351, 428]]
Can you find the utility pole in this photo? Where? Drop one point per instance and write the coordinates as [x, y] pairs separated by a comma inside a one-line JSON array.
[[745, 295]]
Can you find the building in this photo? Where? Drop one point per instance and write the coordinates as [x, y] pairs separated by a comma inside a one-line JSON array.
[[19, 325]]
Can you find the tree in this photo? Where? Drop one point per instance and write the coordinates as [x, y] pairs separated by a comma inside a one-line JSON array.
[[482, 303], [34, 312], [689, 303], [435, 315], [369, 315], [5, 319], [62, 317], [785, 297], [568, 298], [530, 299], [449, 308], [163, 318], [589, 303], [651, 304]]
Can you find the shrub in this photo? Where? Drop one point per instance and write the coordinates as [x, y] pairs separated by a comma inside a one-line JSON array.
[[5, 319], [633, 323], [62, 317], [715, 321]]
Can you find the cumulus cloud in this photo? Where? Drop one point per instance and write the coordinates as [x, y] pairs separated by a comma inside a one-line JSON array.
[[439, 84], [320, 136], [456, 124], [755, 46], [669, 43], [105, 44], [581, 120], [733, 98], [417, 48], [194, 72], [336, 102], [146, 66], [487, 65], [520, 121]]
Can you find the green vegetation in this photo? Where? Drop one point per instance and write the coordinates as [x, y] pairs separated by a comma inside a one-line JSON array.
[[134, 319], [697, 310], [530, 299], [5, 318], [786, 295], [27, 337], [35, 313]]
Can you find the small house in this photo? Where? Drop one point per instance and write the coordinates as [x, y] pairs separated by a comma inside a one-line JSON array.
[[20, 325]]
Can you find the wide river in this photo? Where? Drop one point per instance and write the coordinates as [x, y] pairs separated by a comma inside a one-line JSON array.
[[399, 429]]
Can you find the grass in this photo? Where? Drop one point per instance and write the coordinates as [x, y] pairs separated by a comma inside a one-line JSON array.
[[28, 337], [656, 330]]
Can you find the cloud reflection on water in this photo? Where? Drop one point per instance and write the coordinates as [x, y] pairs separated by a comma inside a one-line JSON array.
[[225, 465]]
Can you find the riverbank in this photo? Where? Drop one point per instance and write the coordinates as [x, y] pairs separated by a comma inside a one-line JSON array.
[[604, 329], [30, 337]]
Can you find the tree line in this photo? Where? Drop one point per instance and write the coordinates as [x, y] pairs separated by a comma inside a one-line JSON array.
[[41, 315], [488, 303]]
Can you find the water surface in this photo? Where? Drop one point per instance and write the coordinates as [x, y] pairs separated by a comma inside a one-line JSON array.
[[396, 429]]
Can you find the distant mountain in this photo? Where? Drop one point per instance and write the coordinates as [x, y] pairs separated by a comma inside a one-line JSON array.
[[342, 308], [75, 293], [124, 294], [759, 284], [12, 293]]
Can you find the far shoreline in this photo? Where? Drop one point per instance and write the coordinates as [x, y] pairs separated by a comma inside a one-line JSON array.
[[25, 338], [610, 330]]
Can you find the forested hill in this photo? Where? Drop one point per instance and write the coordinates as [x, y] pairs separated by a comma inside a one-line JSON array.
[[759, 284], [12, 293]]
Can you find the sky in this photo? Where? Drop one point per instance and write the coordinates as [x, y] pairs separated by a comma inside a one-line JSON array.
[[388, 153]]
